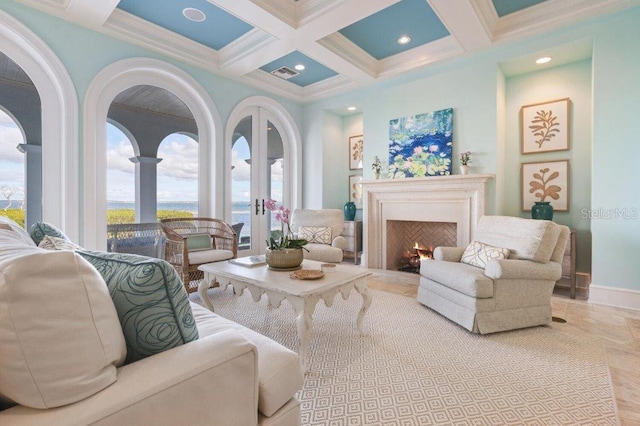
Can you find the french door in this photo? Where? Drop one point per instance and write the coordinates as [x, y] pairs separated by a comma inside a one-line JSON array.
[[259, 171]]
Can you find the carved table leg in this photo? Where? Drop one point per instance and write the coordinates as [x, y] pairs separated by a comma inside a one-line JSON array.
[[304, 308], [202, 290], [363, 289]]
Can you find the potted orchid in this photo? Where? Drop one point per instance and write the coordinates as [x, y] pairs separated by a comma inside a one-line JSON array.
[[284, 251], [465, 159]]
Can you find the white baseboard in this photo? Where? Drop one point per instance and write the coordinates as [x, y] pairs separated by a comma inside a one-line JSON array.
[[613, 296]]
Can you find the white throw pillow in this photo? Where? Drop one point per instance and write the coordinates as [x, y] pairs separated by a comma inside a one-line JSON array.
[[55, 243], [60, 335], [315, 234], [479, 254]]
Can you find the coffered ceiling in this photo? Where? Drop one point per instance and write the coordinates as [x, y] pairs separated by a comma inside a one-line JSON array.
[[342, 44]]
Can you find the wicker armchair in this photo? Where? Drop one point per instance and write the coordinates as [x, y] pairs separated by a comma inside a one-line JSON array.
[[192, 242], [146, 239]]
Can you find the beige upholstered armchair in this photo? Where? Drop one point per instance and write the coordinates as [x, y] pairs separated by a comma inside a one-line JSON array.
[[192, 242], [322, 228], [502, 281]]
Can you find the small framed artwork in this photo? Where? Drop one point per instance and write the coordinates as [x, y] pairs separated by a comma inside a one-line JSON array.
[[545, 181], [355, 190], [545, 126], [356, 144]]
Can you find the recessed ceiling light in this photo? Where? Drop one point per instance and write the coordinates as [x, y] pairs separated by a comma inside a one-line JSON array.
[[351, 108], [193, 14], [299, 67], [543, 60], [404, 39]]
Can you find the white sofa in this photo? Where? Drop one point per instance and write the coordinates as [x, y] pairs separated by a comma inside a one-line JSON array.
[[62, 355], [330, 219], [506, 294]]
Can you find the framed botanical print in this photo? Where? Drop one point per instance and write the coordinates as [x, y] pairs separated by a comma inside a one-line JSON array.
[[544, 127], [545, 181], [356, 145], [355, 190]]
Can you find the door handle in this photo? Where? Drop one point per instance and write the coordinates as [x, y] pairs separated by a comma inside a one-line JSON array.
[[257, 207], [263, 206]]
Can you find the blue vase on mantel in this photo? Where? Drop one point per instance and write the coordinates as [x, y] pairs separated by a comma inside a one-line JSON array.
[[349, 210], [542, 210]]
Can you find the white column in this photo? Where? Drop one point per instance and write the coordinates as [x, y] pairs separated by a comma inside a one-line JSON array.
[[146, 188], [32, 183]]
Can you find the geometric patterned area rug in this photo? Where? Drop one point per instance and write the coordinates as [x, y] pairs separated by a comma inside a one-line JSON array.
[[414, 367]]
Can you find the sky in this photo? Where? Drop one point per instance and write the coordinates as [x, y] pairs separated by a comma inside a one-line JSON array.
[[11, 160]]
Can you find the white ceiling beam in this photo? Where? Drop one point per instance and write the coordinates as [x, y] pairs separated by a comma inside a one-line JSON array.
[[463, 23], [90, 13]]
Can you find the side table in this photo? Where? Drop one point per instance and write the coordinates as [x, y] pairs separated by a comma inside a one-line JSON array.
[[352, 232]]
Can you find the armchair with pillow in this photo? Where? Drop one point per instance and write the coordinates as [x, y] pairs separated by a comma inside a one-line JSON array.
[[502, 281], [322, 229]]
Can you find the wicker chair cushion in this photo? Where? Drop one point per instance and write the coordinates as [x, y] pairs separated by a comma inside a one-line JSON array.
[[40, 229], [150, 299], [209, 256]]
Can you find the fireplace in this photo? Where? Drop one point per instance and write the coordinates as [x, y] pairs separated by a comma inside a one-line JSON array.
[[457, 201], [408, 241]]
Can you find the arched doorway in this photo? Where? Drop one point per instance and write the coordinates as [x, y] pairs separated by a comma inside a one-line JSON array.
[[113, 80], [59, 122], [263, 150]]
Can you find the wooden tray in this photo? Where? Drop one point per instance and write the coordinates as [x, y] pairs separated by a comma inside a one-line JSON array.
[[307, 274]]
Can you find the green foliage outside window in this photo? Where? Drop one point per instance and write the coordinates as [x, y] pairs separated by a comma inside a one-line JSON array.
[[113, 216]]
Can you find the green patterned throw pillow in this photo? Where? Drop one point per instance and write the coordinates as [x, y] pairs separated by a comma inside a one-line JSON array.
[[479, 254], [40, 229], [152, 304]]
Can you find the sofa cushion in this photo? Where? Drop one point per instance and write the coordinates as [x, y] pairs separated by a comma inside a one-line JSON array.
[[208, 256], [525, 238], [479, 254], [60, 337], [315, 234], [150, 299], [55, 243], [461, 277], [199, 242], [279, 371], [40, 229]]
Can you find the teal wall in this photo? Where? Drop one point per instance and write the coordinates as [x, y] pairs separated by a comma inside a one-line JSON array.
[[615, 193], [567, 81]]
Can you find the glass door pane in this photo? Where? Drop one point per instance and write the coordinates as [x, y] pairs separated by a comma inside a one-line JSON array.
[[241, 188], [274, 171]]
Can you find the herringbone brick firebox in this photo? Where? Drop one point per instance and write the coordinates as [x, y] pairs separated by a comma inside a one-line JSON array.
[[402, 235]]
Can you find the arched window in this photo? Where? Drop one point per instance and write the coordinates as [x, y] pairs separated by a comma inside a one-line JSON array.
[[177, 175], [12, 169]]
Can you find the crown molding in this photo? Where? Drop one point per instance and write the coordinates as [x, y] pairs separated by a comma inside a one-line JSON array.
[[265, 81], [131, 29], [328, 87], [53, 7], [487, 15], [554, 14], [311, 10], [420, 56], [244, 46], [283, 10], [350, 52]]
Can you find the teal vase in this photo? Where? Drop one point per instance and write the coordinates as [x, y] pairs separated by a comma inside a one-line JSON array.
[[542, 210], [349, 210]]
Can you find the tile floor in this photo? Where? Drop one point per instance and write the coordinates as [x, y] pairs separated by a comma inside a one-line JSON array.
[[618, 329]]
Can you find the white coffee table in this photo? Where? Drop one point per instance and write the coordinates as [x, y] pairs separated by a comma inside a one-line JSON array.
[[303, 295]]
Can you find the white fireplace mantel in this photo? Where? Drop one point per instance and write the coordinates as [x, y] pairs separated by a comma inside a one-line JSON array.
[[458, 199]]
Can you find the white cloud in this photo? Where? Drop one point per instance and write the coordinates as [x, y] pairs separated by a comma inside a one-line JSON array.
[[241, 169], [179, 155], [10, 137], [118, 157]]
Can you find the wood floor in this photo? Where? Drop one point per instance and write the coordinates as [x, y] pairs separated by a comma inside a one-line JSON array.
[[618, 329]]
